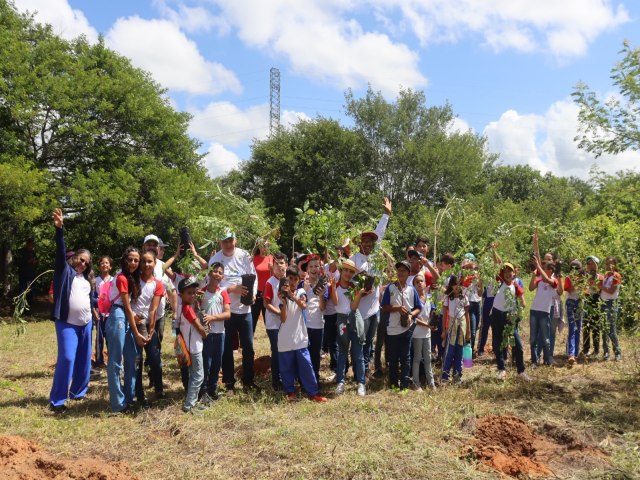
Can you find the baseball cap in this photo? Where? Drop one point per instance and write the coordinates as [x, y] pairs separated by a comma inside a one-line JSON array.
[[187, 282], [595, 259], [151, 238], [227, 234], [403, 264]]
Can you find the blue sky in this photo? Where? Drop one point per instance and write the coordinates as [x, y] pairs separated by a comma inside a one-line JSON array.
[[507, 67]]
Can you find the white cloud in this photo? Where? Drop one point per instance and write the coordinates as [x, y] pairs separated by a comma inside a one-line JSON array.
[[546, 143], [458, 125], [289, 118], [173, 60], [192, 19], [225, 123], [219, 160], [67, 22]]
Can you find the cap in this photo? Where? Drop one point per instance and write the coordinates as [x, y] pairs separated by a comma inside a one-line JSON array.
[[226, 235], [595, 259], [151, 238], [161, 243], [304, 263], [187, 282], [470, 256], [509, 265], [347, 264], [371, 235], [414, 253], [403, 264]]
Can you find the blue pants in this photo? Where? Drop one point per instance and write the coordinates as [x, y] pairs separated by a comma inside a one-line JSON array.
[[357, 357], [275, 364], [371, 327], [315, 345], [610, 314], [74, 363], [399, 347], [101, 326], [239, 323], [330, 339], [436, 340], [122, 346], [474, 316], [487, 305], [297, 363], [212, 359], [498, 322], [575, 327], [453, 355], [152, 350], [540, 331]]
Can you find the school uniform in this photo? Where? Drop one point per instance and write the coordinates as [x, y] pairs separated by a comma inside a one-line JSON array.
[[456, 328], [213, 303], [503, 304], [272, 325]]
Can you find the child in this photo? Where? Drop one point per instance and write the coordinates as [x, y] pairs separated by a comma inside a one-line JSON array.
[[504, 306], [544, 283], [457, 329], [215, 305], [193, 333], [104, 282], [316, 303], [421, 338], [574, 309], [402, 303], [293, 355], [272, 313], [472, 287], [609, 292], [445, 264], [592, 323]]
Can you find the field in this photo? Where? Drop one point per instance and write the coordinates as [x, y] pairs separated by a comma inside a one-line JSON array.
[[578, 423]]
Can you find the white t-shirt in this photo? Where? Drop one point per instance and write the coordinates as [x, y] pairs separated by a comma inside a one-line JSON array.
[[421, 331], [140, 306], [500, 302], [212, 303], [609, 281], [369, 304], [408, 298], [455, 307], [158, 273], [191, 336], [120, 286], [471, 289], [79, 301], [315, 319], [240, 263], [543, 300], [293, 332], [330, 308], [344, 301], [270, 295]]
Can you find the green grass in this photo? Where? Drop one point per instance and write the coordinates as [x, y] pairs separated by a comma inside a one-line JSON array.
[[384, 435]]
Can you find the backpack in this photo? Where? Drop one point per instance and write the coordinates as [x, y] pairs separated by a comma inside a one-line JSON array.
[[181, 351], [104, 301]]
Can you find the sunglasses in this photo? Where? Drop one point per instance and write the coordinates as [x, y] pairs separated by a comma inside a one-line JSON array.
[[133, 260]]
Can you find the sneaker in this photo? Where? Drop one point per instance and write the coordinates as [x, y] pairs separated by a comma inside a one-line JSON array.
[[362, 391], [433, 387], [318, 398], [291, 396], [58, 409], [618, 357], [214, 395], [524, 377], [502, 375], [605, 356], [340, 388], [572, 360], [416, 388], [206, 399], [457, 380], [193, 411]]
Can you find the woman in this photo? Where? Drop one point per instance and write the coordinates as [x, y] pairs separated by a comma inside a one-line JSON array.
[[122, 333], [262, 261], [74, 288], [103, 284]]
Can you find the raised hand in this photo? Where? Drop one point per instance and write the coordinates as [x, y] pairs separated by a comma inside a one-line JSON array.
[[58, 218], [387, 205]]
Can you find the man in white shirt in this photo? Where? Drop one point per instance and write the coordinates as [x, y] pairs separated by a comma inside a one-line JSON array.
[[237, 262]]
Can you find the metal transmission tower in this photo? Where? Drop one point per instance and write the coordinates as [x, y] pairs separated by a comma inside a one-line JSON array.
[[274, 103]]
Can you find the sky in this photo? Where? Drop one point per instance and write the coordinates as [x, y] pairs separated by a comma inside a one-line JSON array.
[[507, 67]]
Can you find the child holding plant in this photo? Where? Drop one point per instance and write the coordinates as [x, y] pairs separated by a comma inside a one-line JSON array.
[[314, 286], [544, 283], [575, 308], [609, 292], [457, 329], [592, 327], [272, 313], [421, 339]]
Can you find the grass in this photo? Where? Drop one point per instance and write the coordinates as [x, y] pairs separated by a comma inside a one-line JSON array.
[[383, 435]]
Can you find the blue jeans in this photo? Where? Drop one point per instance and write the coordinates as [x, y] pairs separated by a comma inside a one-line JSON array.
[[275, 364], [239, 323], [399, 347], [357, 357], [212, 361], [487, 305], [436, 338], [498, 322], [371, 327], [152, 350], [610, 314], [330, 339], [474, 316], [74, 362], [122, 346], [101, 326], [297, 363], [196, 376], [575, 327], [540, 326], [315, 345]]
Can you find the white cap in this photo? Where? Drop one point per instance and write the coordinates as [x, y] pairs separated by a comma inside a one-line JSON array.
[[151, 238]]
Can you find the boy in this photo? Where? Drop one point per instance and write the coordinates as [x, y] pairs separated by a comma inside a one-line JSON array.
[[215, 305], [544, 283], [293, 355], [272, 313], [193, 332]]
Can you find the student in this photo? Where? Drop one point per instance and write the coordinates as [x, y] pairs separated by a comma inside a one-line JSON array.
[[104, 282], [293, 355], [316, 303], [504, 306], [262, 262], [609, 292], [543, 282], [444, 265], [592, 327], [421, 338], [144, 309], [215, 305], [123, 336], [457, 329], [472, 287], [74, 287], [575, 308], [350, 332], [272, 313], [193, 333], [330, 338]]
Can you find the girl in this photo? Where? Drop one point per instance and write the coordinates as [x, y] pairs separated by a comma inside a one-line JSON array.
[[592, 326], [609, 292], [544, 283], [144, 309], [472, 284], [421, 339], [263, 263], [74, 289], [574, 305], [457, 329], [103, 284], [122, 333], [316, 304]]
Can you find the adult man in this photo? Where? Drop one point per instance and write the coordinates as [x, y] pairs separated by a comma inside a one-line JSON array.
[[369, 306], [236, 262]]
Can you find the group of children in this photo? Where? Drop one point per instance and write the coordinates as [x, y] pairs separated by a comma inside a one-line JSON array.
[[314, 306]]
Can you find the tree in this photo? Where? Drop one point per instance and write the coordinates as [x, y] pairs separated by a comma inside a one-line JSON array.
[[612, 126]]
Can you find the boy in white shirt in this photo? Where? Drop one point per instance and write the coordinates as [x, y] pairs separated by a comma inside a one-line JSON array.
[[293, 339], [544, 283], [272, 313]]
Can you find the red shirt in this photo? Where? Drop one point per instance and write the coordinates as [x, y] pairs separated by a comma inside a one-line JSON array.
[[262, 269]]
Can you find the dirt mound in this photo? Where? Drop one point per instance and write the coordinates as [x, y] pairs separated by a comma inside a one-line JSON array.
[[24, 460], [509, 445], [261, 367]]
